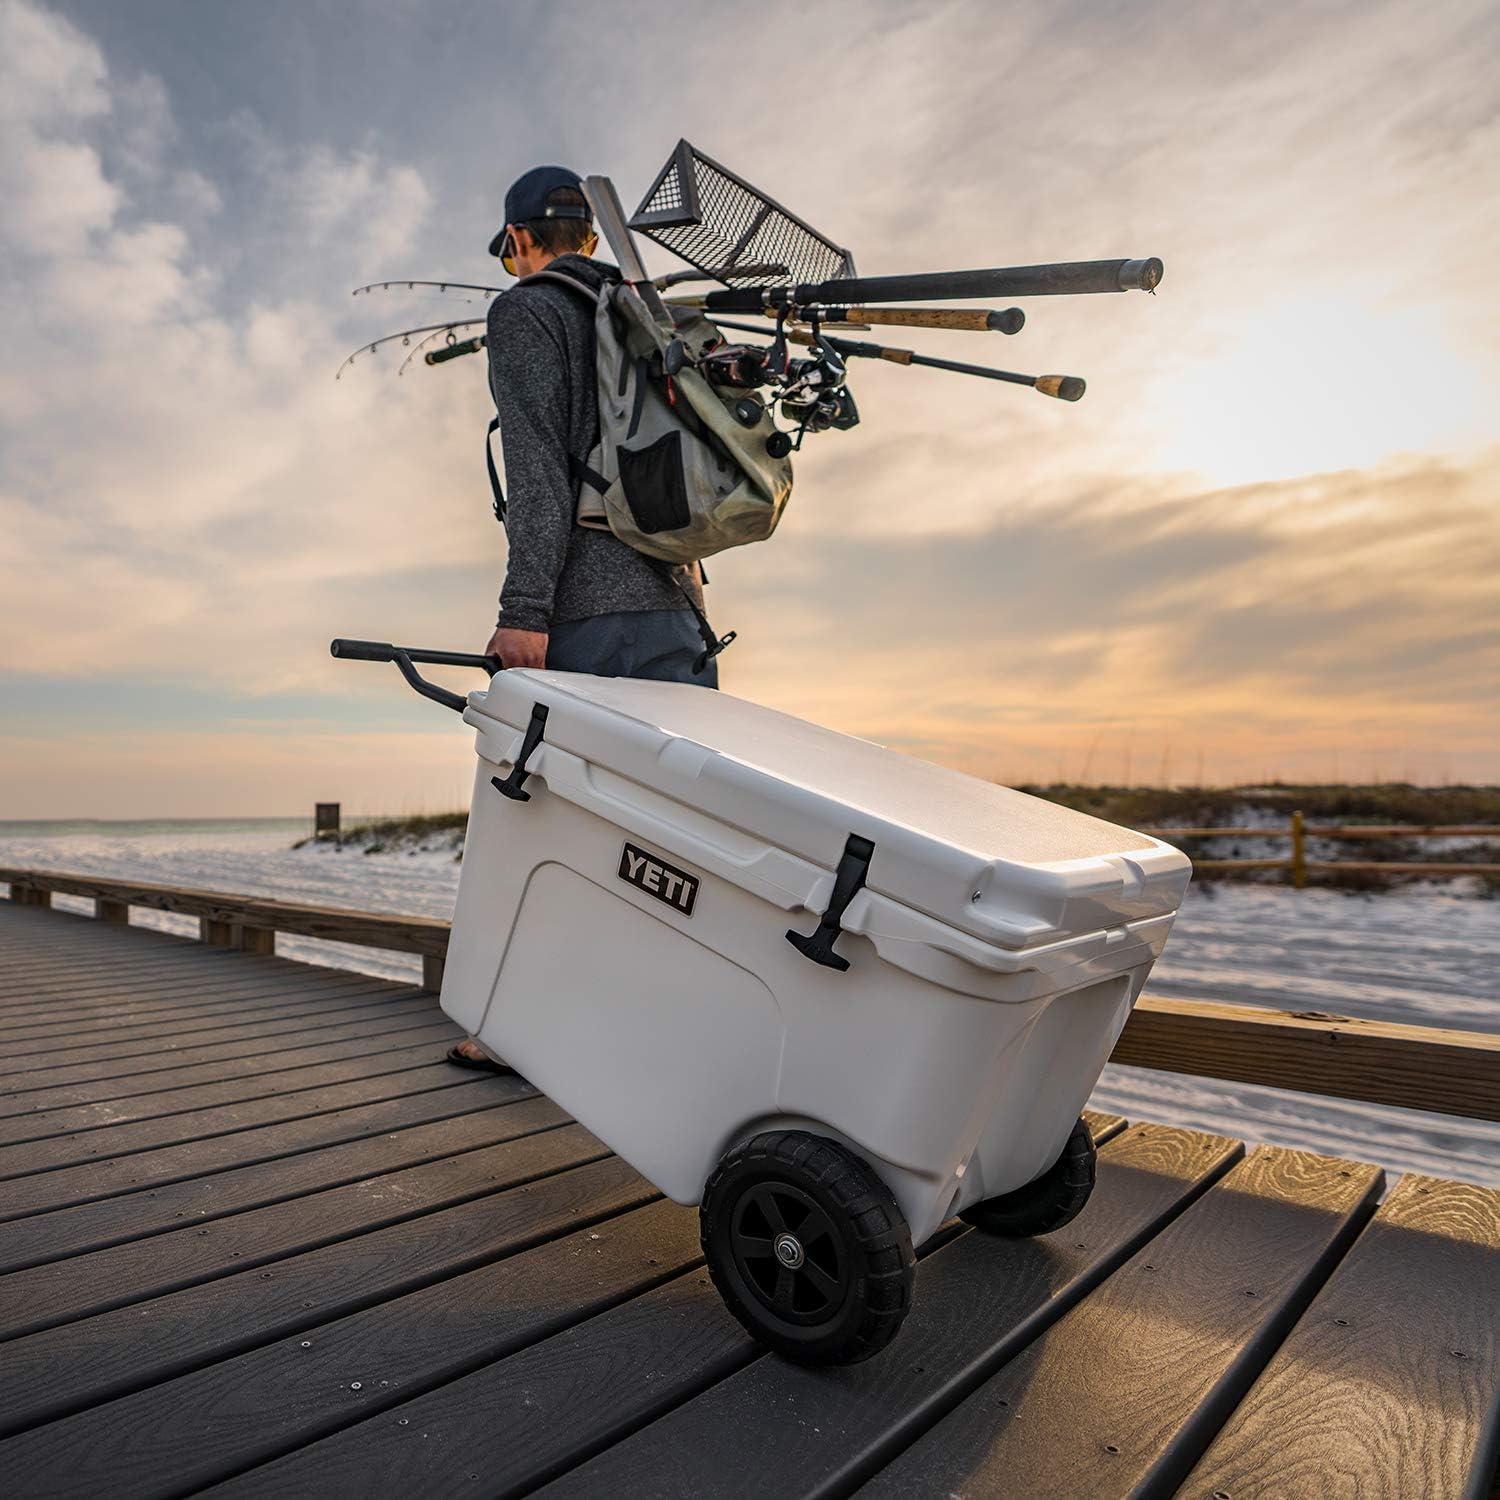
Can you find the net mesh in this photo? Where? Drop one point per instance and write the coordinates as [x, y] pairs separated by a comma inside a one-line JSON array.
[[739, 236]]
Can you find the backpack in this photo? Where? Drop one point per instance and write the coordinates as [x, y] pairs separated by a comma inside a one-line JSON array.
[[675, 474]]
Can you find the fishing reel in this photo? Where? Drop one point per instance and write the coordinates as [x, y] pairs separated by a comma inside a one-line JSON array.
[[810, 391]]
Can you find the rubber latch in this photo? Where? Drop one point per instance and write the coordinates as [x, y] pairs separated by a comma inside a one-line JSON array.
[[854, 866], [512, 785]]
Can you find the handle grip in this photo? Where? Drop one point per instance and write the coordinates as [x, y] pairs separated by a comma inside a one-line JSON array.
[[362, 650], [1064, 387], [404, 656], [455, 351]]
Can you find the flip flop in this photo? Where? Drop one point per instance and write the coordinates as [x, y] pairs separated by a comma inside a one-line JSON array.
[[477, 1064]]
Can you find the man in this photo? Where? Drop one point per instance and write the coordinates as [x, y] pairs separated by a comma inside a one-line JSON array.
[[574, 599]]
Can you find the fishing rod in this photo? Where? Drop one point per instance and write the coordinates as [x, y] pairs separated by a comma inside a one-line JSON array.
[[401, 282], [972, 319], [1059, 279], [1063, 387], [405, 335]]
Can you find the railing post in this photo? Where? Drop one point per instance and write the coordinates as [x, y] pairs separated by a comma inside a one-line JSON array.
[[1299, 852], [30, 895], [432, 972], [255, 940], [217, 934], [116, 912]]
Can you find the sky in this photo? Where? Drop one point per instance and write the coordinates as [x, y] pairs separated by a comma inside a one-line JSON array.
[[1265, 544]]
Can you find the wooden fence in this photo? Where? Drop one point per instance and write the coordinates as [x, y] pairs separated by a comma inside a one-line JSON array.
[[1300, 866], [1418, 1067]]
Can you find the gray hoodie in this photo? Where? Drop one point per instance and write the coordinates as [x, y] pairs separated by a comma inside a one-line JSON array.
[[541, 347]]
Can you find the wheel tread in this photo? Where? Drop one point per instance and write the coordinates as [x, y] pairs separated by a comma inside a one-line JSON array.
[[879, 1231]]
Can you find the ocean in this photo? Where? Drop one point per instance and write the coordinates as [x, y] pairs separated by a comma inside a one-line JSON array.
[[1425, 957]]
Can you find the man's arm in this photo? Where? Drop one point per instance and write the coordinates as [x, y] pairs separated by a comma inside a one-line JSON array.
[[529, 379]]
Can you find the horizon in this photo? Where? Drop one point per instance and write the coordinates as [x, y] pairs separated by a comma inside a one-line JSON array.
[[1266, 541]]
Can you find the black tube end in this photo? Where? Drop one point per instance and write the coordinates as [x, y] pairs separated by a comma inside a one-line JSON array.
[[1141, 275], [1010, 320]]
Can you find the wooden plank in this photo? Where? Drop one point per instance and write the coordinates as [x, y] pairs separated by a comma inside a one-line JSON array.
[[1417, 1067], [279, 999], [182, 1105], [230, 1003], [1337, 831], [980, 1299], [394, 1014], [1389, 1386], [183, 978], [545, 1409], [358, 1008], [363, 928], [1378, 867], [106, 1178], [86, 1285], [182, 988], [176, 991], [41, 1161], [225, 1070], [404, 1133], [208, 1425], [64, 1371], [1121, 1396]]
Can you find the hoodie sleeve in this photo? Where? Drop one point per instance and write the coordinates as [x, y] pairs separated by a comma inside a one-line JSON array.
[[529, 379]]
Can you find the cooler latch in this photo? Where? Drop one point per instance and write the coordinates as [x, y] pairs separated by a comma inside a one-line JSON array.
[[854, 866], [511, 786]]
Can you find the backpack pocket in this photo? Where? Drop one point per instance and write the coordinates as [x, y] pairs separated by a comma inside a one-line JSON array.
[[655, 485]]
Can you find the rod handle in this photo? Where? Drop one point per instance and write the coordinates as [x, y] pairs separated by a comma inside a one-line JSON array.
[[454, 351], [1064, 387]]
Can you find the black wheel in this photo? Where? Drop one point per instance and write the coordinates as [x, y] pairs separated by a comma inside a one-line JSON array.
[[808, 1248], [1046, 1202]]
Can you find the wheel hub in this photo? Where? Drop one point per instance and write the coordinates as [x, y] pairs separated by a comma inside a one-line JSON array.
[[789, 1251]]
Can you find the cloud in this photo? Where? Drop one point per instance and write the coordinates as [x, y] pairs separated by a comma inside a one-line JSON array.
[[1267, 532]]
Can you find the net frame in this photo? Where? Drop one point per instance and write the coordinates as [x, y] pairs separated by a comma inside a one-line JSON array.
[[715, 220]]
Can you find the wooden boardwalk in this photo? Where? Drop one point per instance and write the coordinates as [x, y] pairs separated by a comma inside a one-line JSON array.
[[258, 1239]]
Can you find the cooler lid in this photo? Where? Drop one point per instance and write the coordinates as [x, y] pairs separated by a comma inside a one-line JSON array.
[[1007, 867]]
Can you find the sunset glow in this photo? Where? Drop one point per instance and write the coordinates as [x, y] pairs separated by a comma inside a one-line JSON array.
[[1267, 541]]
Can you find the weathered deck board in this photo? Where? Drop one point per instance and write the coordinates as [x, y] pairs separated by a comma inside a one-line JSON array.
[[1390, 1383], [84, 1285], [238, 1251], [979, 1300], [1121, 1395], [395, 1015], [226, 1071]]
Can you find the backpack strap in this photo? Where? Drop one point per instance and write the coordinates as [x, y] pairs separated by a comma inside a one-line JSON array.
[[712, 644], [578, 471]]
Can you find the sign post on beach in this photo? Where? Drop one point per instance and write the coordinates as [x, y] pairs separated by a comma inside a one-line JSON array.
[[325, 820]]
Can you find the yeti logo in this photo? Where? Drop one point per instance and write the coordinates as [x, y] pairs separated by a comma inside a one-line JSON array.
[[657, 878]]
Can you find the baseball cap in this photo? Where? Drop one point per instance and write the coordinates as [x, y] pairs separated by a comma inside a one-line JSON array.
[[527, 200]]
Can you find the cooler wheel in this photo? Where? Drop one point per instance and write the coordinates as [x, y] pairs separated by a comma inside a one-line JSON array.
[[1046, 1202], [808, 1248]]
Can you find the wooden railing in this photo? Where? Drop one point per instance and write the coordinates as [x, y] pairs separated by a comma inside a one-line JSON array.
[[246, 922], [1417, 1067], [1300, 866]]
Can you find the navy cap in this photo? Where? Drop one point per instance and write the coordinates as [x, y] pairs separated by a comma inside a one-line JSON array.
[[527, 200]]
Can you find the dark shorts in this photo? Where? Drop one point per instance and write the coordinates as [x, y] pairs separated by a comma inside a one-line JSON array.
[[659, 644]]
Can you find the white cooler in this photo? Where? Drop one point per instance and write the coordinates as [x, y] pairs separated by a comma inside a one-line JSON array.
[[962, 958]]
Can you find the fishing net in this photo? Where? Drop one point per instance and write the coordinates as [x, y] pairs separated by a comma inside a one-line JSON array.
[[722, 226]]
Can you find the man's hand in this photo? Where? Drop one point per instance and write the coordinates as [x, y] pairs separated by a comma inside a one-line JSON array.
[[519, 648]]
